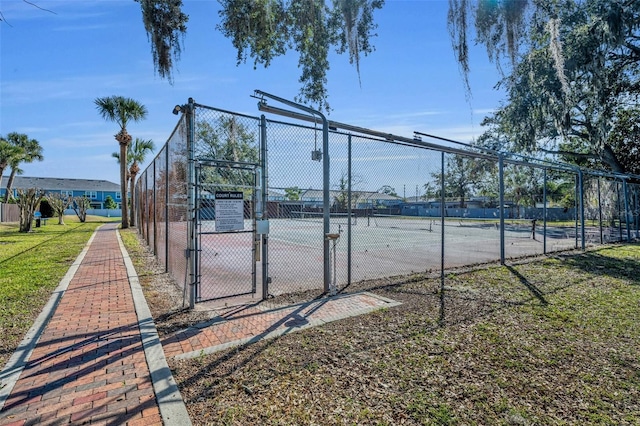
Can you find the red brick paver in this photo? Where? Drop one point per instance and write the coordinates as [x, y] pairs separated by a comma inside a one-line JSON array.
[[88, 366], [241, 324]]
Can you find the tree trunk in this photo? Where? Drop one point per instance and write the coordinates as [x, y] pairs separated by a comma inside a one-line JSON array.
[[133, 172], [80, 205], [123, 185], [610, 159], [12, 176], [28, 202], [2, 171], [132, 218], [123, 139]]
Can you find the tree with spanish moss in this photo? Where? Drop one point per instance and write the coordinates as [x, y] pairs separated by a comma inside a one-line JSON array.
[[262, 30], [572, 110]]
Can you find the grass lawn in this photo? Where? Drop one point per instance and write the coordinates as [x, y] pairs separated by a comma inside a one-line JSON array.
[[551, 341], [31, 266]]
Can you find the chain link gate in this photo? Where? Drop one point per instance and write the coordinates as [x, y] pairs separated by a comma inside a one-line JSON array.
[[228, 246]]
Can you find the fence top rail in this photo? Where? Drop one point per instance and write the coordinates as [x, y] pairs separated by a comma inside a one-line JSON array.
[[226, 163], [224, 111]]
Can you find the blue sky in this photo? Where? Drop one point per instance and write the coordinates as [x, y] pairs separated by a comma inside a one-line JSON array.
[[53, 66]]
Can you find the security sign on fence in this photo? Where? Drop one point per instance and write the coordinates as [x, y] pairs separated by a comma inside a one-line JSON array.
[[238, 205]]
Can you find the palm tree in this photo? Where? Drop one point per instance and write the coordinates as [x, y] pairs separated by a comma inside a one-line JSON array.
[[122, 110], [136, 153], [8, 152], [30, 151]]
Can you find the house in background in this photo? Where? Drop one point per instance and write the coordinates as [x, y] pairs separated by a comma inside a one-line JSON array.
[[95, 190], [371, 200]]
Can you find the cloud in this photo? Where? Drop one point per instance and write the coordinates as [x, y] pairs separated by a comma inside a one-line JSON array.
[[484, 111], [30, 130], [82, 141], [32, 91], [82, 27]]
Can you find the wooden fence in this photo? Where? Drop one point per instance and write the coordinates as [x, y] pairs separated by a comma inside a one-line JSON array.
[[9, 213]]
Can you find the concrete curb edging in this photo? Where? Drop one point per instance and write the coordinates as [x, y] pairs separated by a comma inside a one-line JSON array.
[[11, 372], [172, 408]]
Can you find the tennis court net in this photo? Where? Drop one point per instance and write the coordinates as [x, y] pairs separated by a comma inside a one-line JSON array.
[[318, 217], [414, 223]]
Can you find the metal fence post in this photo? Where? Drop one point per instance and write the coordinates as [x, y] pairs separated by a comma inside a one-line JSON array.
[[155, 214], [191, 208], [544, 212], [626, 208], [581, 194], [636, 215], [442, 247], [619, 205], [325, 202], [501, 198], [576, 197], [349, 211], [265, 206], [600, 213], [147, 225], [166, 208]]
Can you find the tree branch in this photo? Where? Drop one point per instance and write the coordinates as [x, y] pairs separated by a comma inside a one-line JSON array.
[[578, 155], [2, 18], [38, 7]]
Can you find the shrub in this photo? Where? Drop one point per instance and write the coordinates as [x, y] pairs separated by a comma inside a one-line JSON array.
[[46, 209]]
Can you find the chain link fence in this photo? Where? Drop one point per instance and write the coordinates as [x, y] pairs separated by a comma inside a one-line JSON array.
[[161, 192], [398, 206]]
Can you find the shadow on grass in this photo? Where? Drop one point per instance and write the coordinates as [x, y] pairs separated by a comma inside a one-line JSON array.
[[535, 291], [249, 350], [30, 249], [598, 263]]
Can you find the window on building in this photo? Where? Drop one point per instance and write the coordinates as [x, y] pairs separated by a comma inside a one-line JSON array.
[[118, 196], [91, 194]]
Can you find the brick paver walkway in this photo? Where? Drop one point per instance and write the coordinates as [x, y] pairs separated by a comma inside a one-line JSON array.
[[246, 324], [88, 366]]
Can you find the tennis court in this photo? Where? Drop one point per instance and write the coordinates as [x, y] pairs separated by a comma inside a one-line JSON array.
[[381, 246]]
